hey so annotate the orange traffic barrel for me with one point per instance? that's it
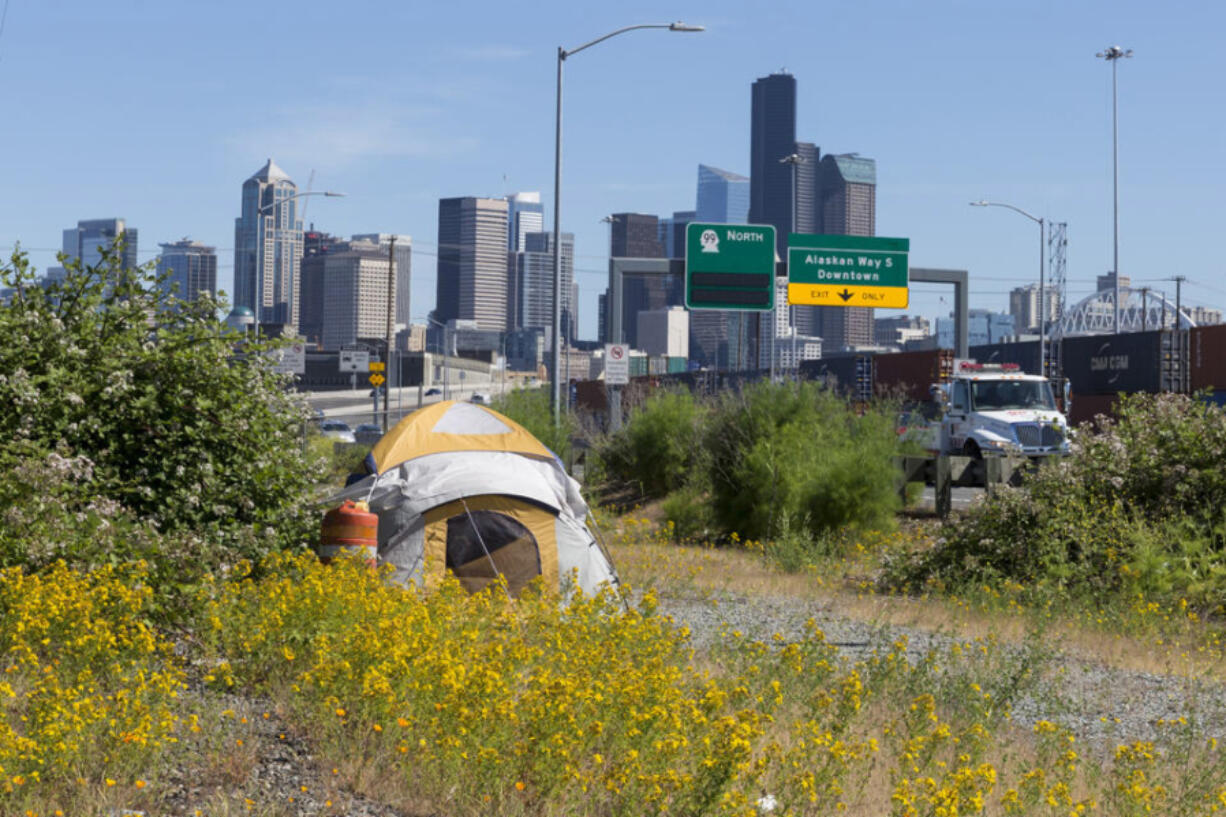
(352, 529)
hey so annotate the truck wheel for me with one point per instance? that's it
(971, 449)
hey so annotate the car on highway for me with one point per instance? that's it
(481, 398)
(432, 392)
(337, 430)
(368, 433)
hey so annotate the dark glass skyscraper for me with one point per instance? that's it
(772, 136)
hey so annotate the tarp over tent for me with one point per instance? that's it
(460, 487)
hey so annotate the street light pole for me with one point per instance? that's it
(1042, 282)
(1113, 55)
(555, 354)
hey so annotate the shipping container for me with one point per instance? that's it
(1086, 407)
(1131, 362)
(911, 374)
(1024, 354)
(1207, 357)
(851, 375)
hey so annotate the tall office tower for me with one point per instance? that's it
(1025, 309)
(807, 196)
(86, 241)
(190, 269)
(404, 269)
(848, 186)
(315, 245)
(268, 247)
(525, 214)
(671, 232)
(636, 235)
(723, 196)
(602, 317)
(472, 261)
(772, 136)
(355, 303)
(530, 288)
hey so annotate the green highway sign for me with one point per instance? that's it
(729, 266)
(847, 270)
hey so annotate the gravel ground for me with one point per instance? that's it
(1103, 705)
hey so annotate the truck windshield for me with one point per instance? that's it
(998, 395)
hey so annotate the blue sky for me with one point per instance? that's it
(157, 110)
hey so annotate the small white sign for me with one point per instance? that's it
(616, 364)
(355, 360)
(289, 359)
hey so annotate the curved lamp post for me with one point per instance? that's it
(556, 357)
(1042, 284)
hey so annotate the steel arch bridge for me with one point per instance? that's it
(1094, 315)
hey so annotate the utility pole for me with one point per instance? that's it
(1144, 308)
(1178, 279)
(391, 304)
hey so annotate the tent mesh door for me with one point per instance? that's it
(513, 550)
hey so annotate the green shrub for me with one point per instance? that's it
(531, 409)
(688, 513)
(172, 418)
(799, 452)
(1137, 508)
(659, 448)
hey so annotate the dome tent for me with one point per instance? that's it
(460, 487)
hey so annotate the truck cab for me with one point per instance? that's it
(996, 410)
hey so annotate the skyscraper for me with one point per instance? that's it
(354, 293)
(472, 261)
(404, 269)
(772, 137)
(525, 214)
(530, 290)
(86, 241)
(268, 247)
(723, 196)
(848, 188)
(636, 235)
(190, 269)
(315, 245)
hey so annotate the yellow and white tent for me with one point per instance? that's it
(460, 487)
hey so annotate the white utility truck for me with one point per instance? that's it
(995, 409)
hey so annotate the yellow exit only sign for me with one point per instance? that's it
(845, 295)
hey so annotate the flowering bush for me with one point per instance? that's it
(161, 415)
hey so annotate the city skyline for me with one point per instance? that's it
(948, 119)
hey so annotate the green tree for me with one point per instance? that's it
(162, 409)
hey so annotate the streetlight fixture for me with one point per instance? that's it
(1113, 55)
(276, 201)
(795, 160)
(555, 385)
(1042, 283)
